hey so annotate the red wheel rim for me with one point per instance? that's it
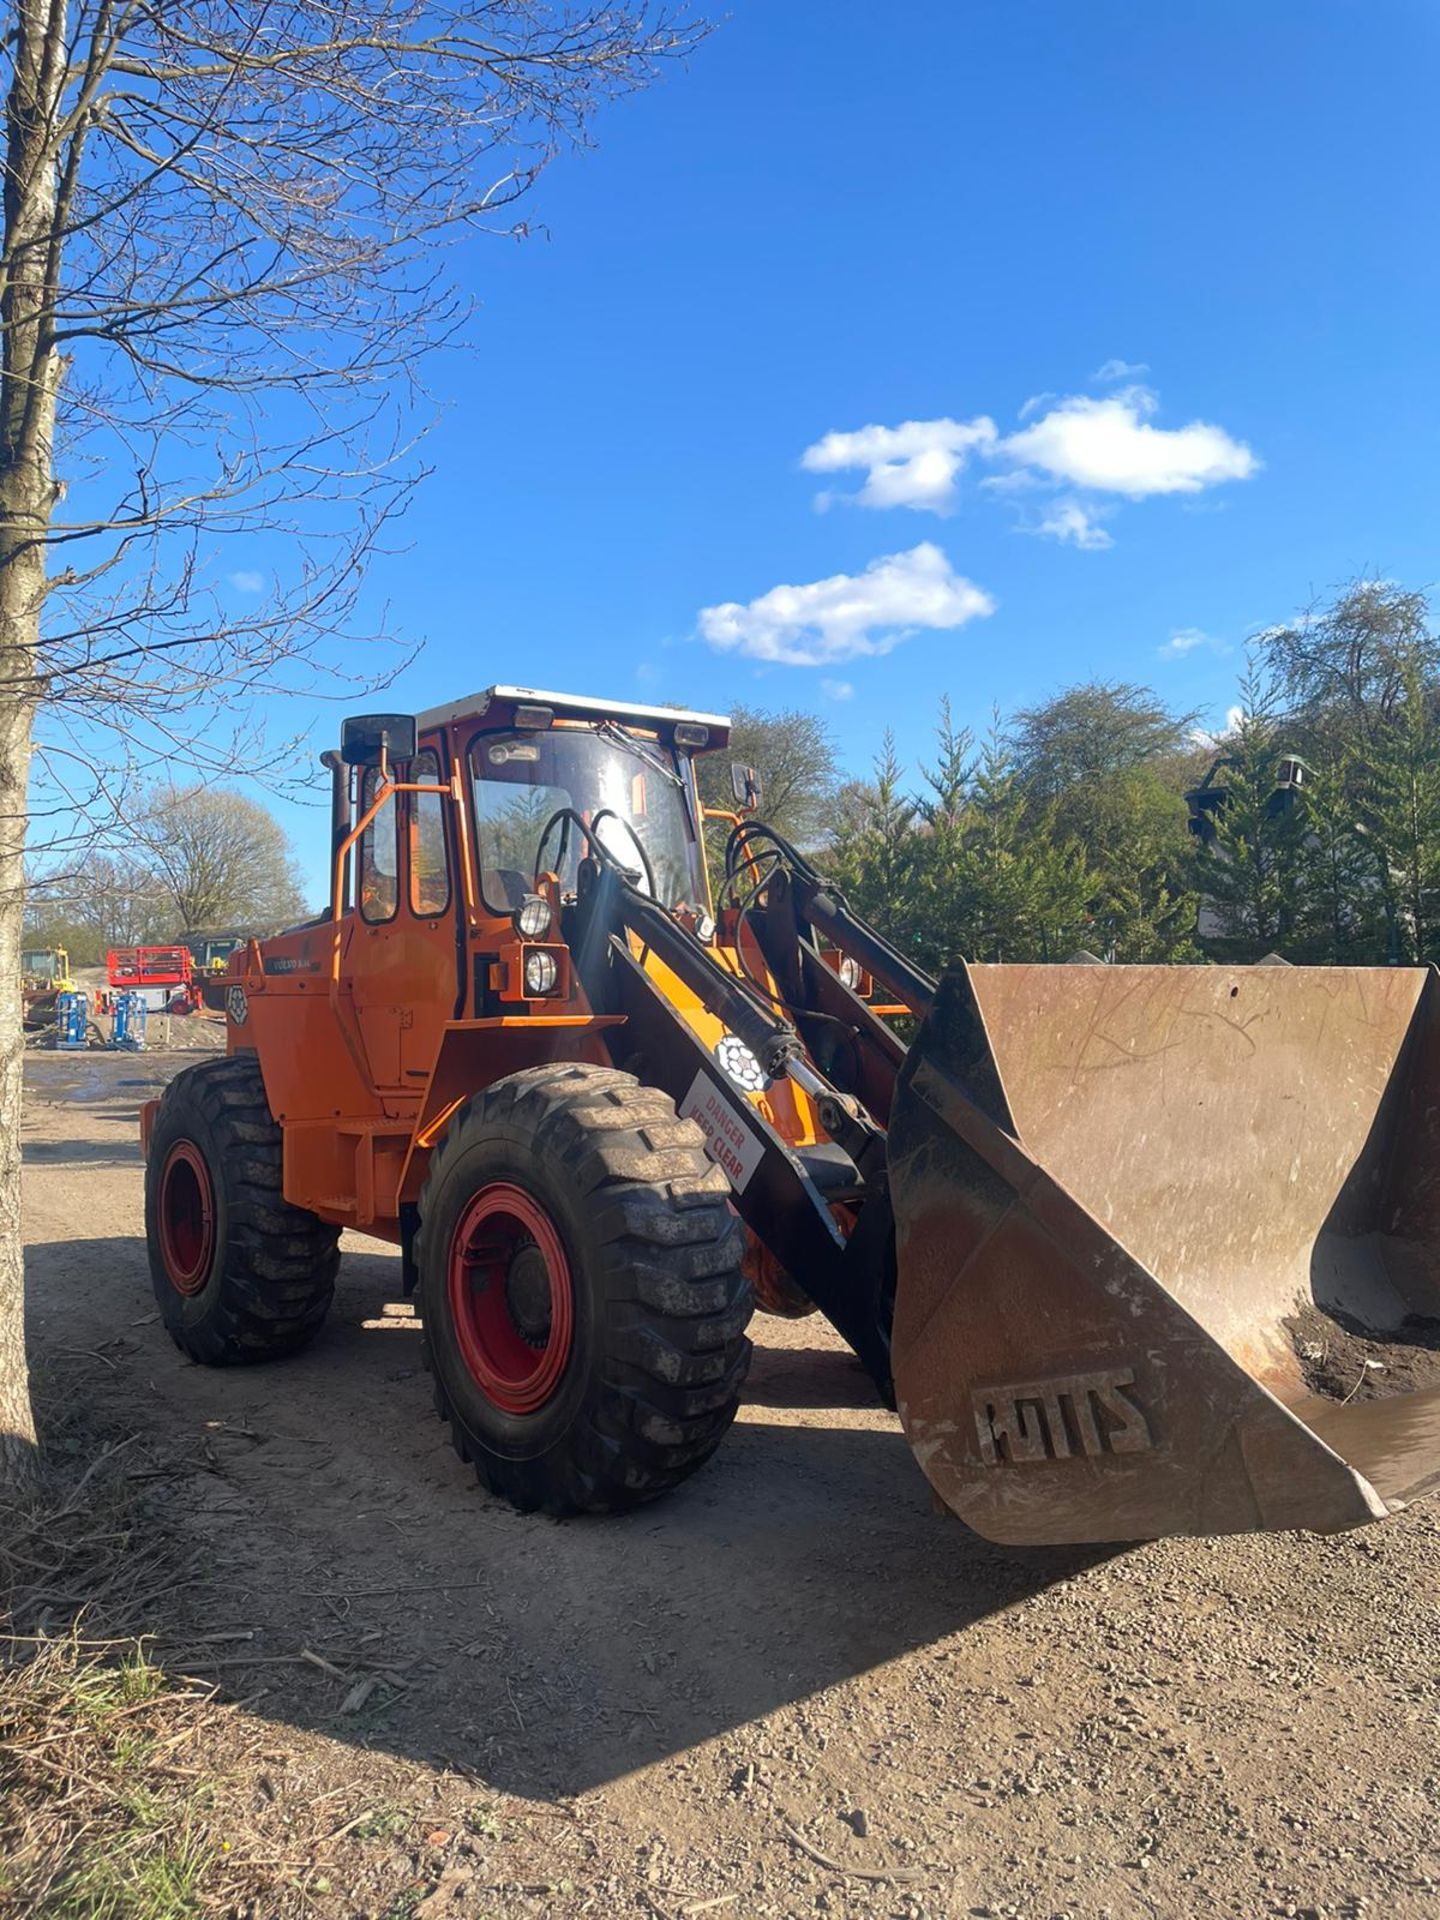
(187, 1217)
(515, 1367)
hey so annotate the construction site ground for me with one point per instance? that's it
(791, 1689)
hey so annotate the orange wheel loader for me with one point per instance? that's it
(1077, 1231)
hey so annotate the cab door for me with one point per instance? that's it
(401, 961)
(434, 923)
(372, 962)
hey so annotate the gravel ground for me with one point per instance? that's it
(791, 1689)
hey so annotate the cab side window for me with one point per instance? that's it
(429, 859)
(379, 846)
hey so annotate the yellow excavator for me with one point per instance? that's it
(44, 974)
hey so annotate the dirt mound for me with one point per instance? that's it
(1344, 1360)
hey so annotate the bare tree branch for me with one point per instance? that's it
(222, 267)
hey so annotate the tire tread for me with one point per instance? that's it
(672, 1353)
(280, 1261)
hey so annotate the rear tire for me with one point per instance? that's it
(581, 1291)
(239, 1273)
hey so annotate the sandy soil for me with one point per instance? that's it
(793, 1657)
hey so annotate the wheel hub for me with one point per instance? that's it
(186, 1217)
(510, 1297)
(527, 1295)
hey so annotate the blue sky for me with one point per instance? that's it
(842, 217)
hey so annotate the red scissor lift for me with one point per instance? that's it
(169, 970)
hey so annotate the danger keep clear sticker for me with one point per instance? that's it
(735, 1147)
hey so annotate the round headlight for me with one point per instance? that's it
(740, 1064)
(532, 917)
(541, 973)
(850, 972)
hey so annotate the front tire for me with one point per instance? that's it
(581, 1291)
(239, 1273)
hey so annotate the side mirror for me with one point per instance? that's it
(364, 737)
(746, 786)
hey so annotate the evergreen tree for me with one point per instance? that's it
(1339, 899)
(1113, 761)
(1399, 809)
(945, 826)
(872, 848)
(1359, 681)
(1252, 867)
(1021, 890)
(1072, 829)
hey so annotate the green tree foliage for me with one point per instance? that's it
(963, 868)
(1094, 731)
(1112, 762)
(1022, 888)
(1339, 897)
(873, 851)
(1360, 683)
(1254, 863)
(1395, 790)
(1072, 828)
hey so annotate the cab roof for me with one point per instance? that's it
(572, 706)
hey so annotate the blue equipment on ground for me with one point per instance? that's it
(72, 1021)
(131, 1013)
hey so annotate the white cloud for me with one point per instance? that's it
(913, 465)
(1073, 521)
(1083, 450)
(837, 689)
(1034, 404)
(1109, 446)
(247, 581)
(1187, 640)
(1202, 737)
(848, 616)
(1181, 643)
(1112, 370)
(1018, 482)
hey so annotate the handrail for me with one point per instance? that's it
(342, 852)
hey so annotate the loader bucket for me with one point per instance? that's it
(1130, 1203)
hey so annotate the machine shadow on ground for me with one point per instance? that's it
(78, 1153)
(548, 1657)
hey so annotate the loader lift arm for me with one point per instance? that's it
(791, 901)
(782, 1193)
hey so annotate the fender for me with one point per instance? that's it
(473, 1054)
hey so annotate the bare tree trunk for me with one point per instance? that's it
(252, 200)
(17, 1424)
(27, 495)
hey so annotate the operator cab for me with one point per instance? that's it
(546, 771)
(464, 837)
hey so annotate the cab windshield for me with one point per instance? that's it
(636, 787)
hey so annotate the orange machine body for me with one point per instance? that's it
(376, 1022)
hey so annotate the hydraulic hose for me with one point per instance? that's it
(752, 843)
